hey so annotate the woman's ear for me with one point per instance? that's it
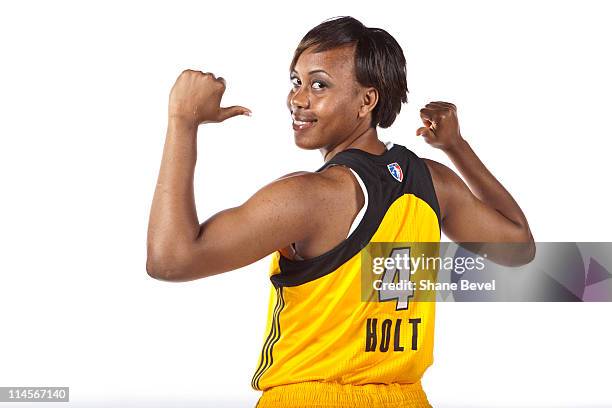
(368, 101)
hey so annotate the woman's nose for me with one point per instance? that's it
(299, 99)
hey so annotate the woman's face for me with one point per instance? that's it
(325, 98)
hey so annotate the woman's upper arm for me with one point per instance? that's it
(278, 214)
(465, 218)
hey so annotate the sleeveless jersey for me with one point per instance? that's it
(320, 327)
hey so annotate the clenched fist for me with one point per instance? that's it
(196, 98)
(441, 125)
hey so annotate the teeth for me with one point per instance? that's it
(301, 122)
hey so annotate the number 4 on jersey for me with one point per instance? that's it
(402, 271)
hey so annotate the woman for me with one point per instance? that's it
(324, 344)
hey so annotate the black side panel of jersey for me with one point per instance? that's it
(383, 189)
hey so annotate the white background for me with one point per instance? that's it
(83, 98)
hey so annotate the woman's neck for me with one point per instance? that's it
(366, 141)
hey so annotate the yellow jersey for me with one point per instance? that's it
(324, 321)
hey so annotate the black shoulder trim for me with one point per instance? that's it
(383, 189)
(295, 273)
(422, 185)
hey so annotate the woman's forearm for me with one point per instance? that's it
(173, 224)
(173, 221)
(483, 184)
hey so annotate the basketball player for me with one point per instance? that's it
(323, 346)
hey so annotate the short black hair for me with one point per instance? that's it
(379, 61)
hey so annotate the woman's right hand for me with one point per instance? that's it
(195, 98)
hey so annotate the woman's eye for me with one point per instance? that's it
(295, 82)
(318, 85)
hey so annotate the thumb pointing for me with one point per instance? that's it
(423, 131)
(232, 111)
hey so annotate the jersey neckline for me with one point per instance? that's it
(378, 157)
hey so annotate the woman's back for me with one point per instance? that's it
(326, 323)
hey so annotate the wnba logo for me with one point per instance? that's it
(396, 171)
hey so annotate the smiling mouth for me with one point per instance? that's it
(303, 125)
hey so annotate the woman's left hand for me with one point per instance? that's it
(441, 125)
